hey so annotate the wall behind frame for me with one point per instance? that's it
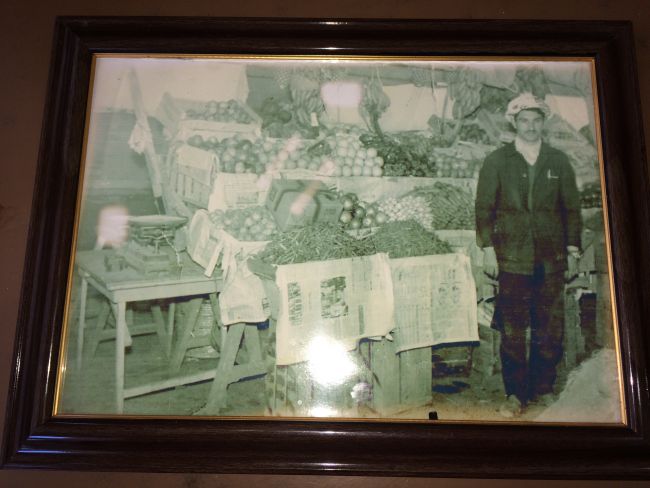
(26, 32)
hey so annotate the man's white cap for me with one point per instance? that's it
(525, 101)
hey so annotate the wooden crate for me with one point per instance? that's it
(398, 381)
(191, 173)
(171, 112)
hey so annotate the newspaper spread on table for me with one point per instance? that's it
(435, 300)
(342, 300)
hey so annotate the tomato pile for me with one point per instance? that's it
(246, 224)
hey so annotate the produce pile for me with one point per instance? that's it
(451, 166)
(280, 120)
(318, 242)
(407, 239)
(354, 158)
(357, 214)
(245, 224)
(409, 207)
(323, 242)
(474, 133)
(230, 111)
(403, 155)
(451, 206)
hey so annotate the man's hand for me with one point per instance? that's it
(573, 256)
(490, 265)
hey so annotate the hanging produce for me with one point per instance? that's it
(374, 103)
(307, 105)
(465, 90)
(531, 79)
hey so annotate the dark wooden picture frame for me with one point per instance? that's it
(36, 439)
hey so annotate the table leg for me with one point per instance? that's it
(82, 319)
(119, 310)
(191, 318)
(161, 329)
(100, 333)
(170, 328)
(217, 396)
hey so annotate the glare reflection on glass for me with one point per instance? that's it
(112, 226)
(342, 93)
(322, 411)
(329, 362)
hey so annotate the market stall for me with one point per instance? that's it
(338, 204)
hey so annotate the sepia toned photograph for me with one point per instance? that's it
(341, 238)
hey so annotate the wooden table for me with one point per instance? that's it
(123, 286)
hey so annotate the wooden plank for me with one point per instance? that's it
(217, 396)
(384, 364)
(415, 376)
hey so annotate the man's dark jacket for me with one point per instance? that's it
(523, 237)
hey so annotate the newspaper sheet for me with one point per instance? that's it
(341, 300)
(435, 301)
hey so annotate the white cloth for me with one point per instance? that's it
(530, 151)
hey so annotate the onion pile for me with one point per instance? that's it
(410, 207)
(357, 214)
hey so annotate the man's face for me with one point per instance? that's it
(529, 124)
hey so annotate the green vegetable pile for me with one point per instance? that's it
(452, 207)
(407, 239)
(323, 242)
(403, 155)
(318, 242)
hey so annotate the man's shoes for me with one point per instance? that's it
(545, 400)
(511, 407)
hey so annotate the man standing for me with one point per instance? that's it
(528, 224)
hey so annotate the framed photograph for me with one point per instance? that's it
(355, 247)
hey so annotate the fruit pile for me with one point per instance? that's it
(245, 224)
(357, 214)
(352, 158)
(230, 111)
(450, 166)
(409, 207)
(236, 154)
